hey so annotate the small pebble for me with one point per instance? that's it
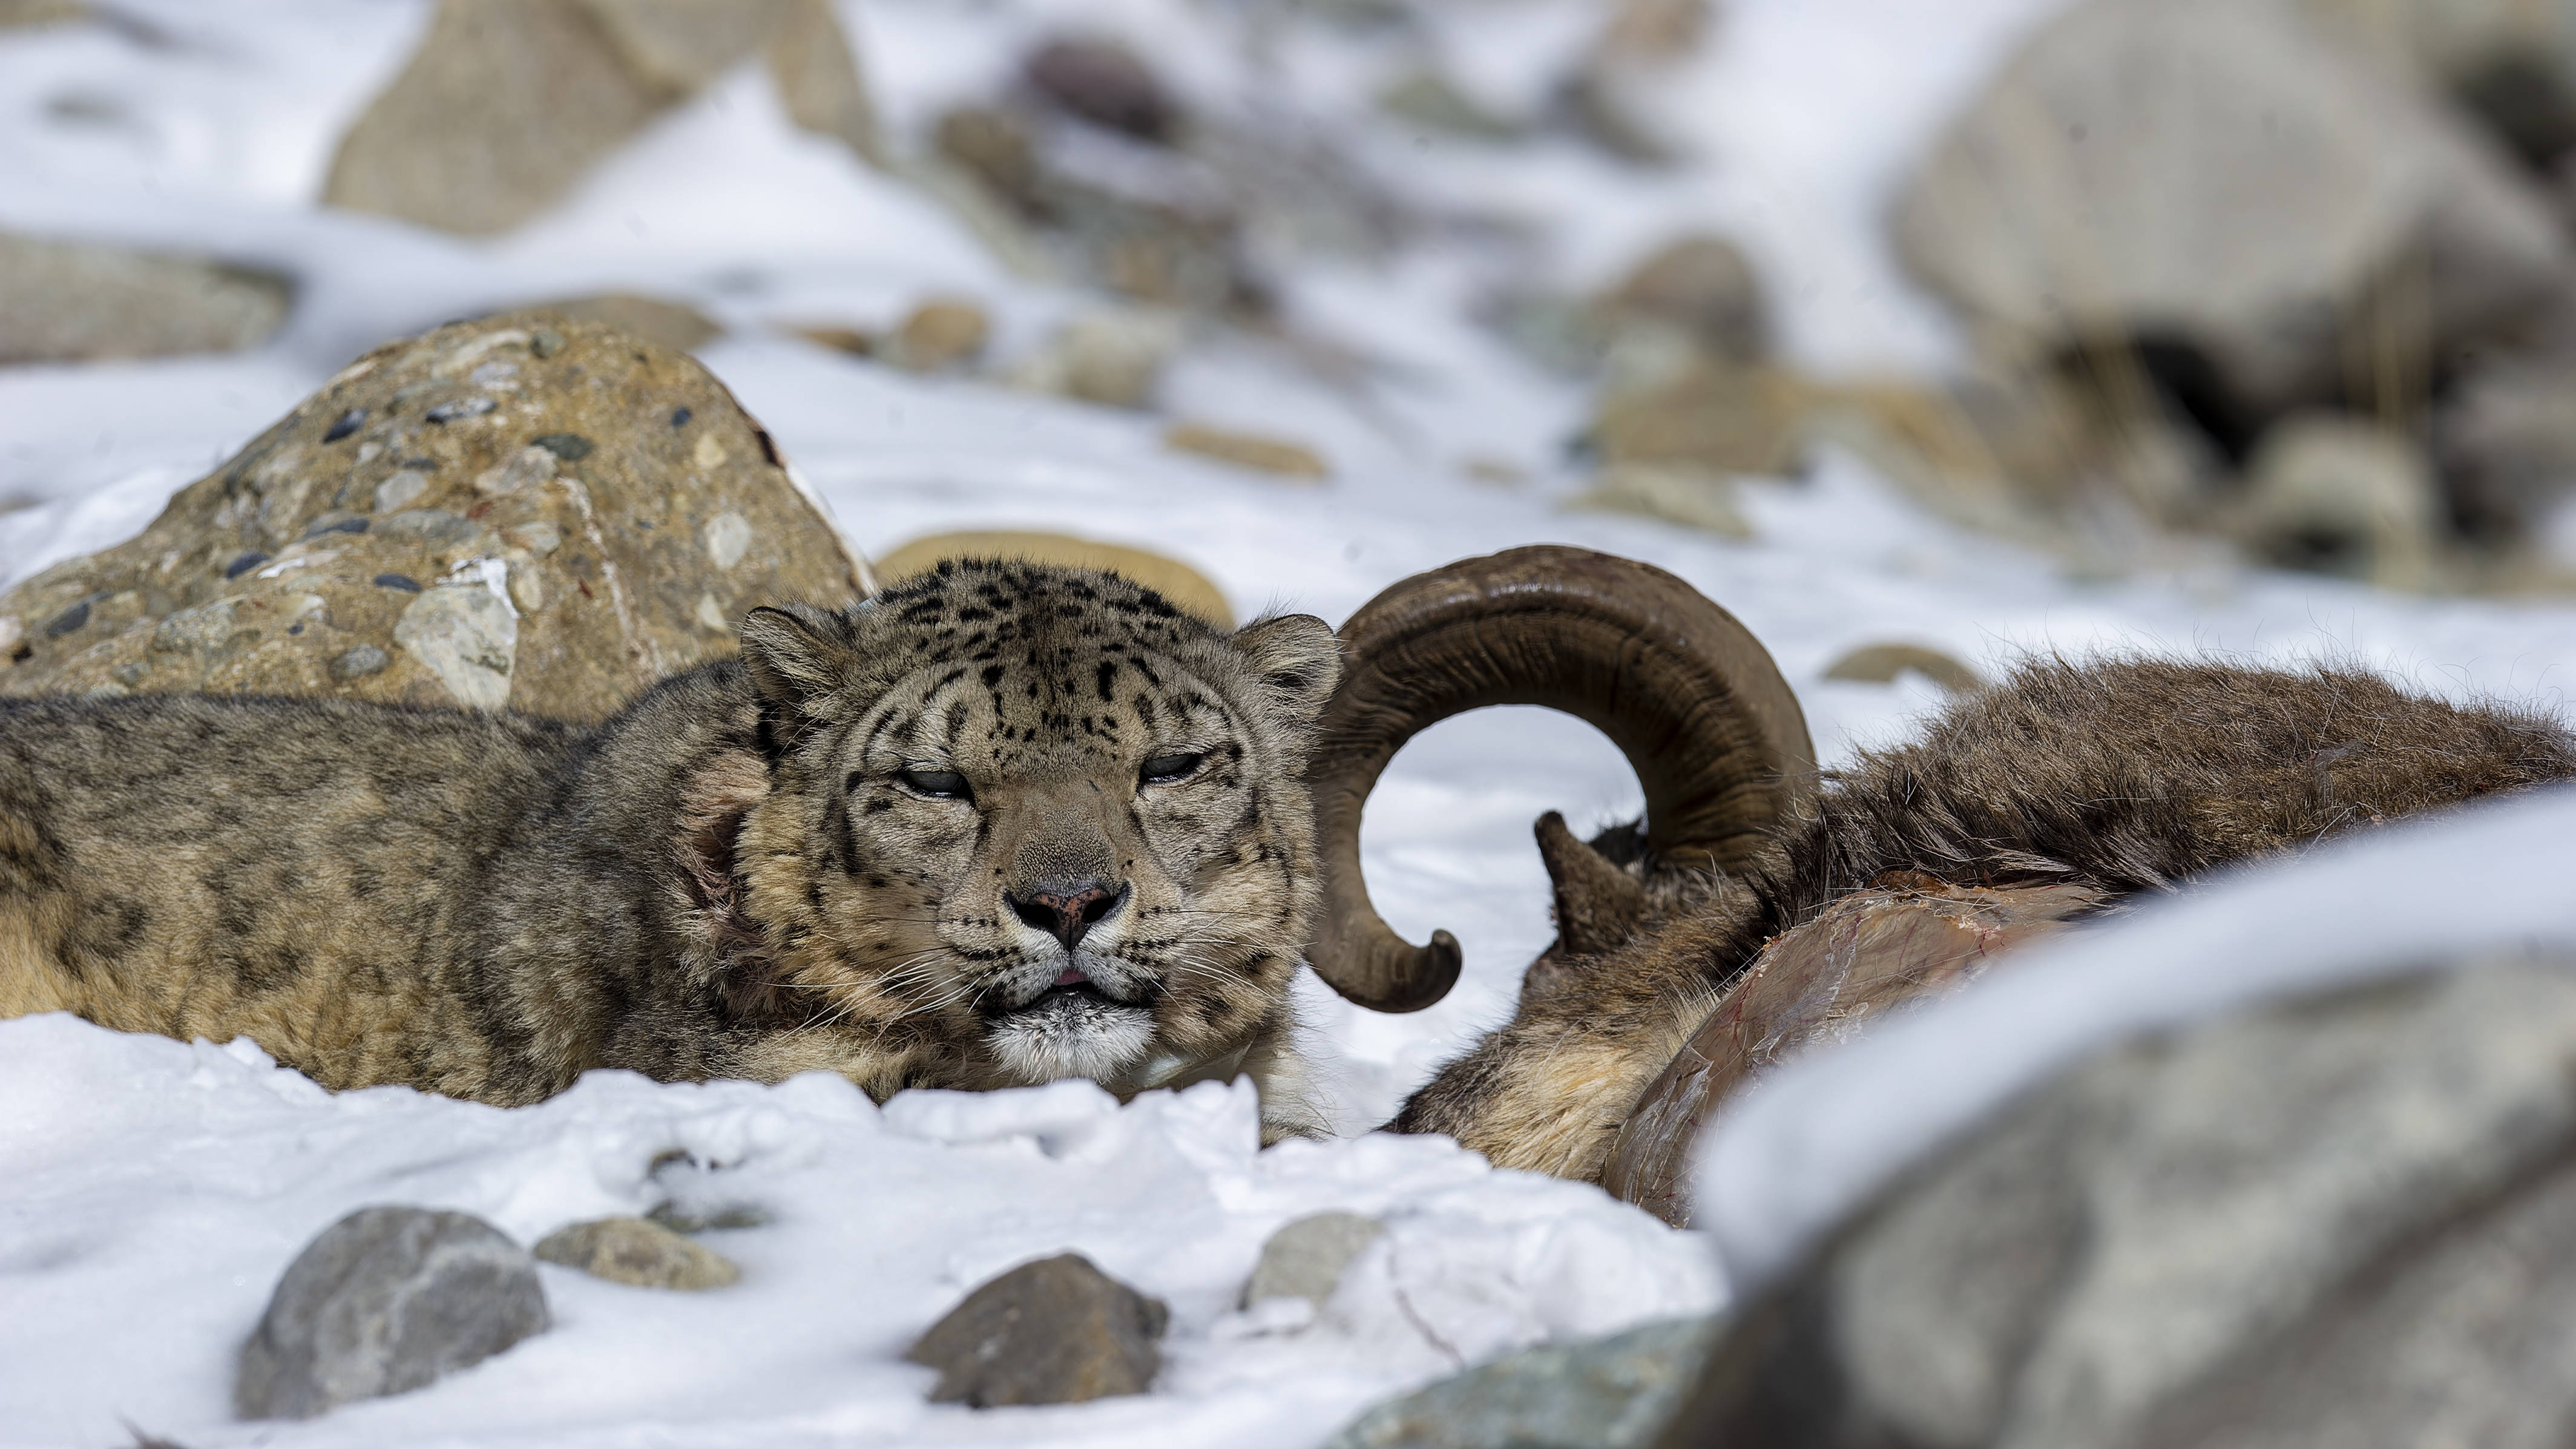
(68, 621)
(639, 1253)
(680, 417)
(244, 564)
(404, 582)
(349, 422)
(571, 447)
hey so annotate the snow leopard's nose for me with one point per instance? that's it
(1068, 909)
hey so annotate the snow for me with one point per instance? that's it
(1787, 1157)
(155, 1189)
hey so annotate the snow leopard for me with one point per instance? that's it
(999, 825)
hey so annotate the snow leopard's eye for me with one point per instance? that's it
(1169, 769)
(936, 784)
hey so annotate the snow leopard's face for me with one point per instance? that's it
(1027, 823)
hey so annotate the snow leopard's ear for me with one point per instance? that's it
(796, 654)
(1296, 661)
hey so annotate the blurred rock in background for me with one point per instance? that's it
(507, 103)
(73, 301)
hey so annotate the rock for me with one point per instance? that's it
(1705, 414)
(2343, 495)
(2213, 177)
(1604, 1393)
(658, 320)
(993, 147)
(386, 1300)
(1112, 356)
(2505, 440)
(506, 103)
(64, 301)
(2347, 1220)
(1176, 581)
(2511, 65)
(1305, 1258)
(816, 69)
(1701, 286)
(18, 14)
(1881, 663)
(1691, 496)
(1248, 450)
(1104, 83)
(1056, 1331)
(1431, 100)
(939, 334)
(854, 341)
(634, 1251)
(558, 542)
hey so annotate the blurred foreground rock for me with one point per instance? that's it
(2349, 1220)
(522, 511)
(386, 1300)
(1607, 1393)
(507, 103)
(72, 301)
(1056, 1331)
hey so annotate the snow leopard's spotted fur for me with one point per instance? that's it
(1002, 824)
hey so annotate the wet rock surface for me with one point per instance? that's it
(1056, 1331)
(387, 1300)
(1305, 1258)
(1606, 1393)
(637, 1252)
(74, 301)
(2347, 1220)
(525, 510)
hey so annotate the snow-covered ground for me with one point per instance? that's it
(153, 1190)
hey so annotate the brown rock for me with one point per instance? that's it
(675, 325)
(1881, 663)
(524, 509)
(640, 1253)
(855, 341)
(1104, 83)
(1057, 1331)
(1733, 419)
(17, 13)
(816, 69)
(1113, 356)
(1683, 493)
(2343, 495)
(63, 301)
(1248, 450)
(508, 102)
(503, 107)
(1702, 286)
(939, 334)
(1184, 586)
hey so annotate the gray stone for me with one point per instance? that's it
(1605, 1393)
(1113, 356)
(468, 635)
(2505, 440)
(1306, 1258)
(66, 301)
(639, 1253)
(2348, 1220)
(1702, 286)
(2216, 173)
(1056, 1331)
(386, 1300)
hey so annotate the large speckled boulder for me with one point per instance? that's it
(523, 511)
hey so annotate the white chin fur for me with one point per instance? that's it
(1073, 1038)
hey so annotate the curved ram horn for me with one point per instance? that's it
(1686, 692)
